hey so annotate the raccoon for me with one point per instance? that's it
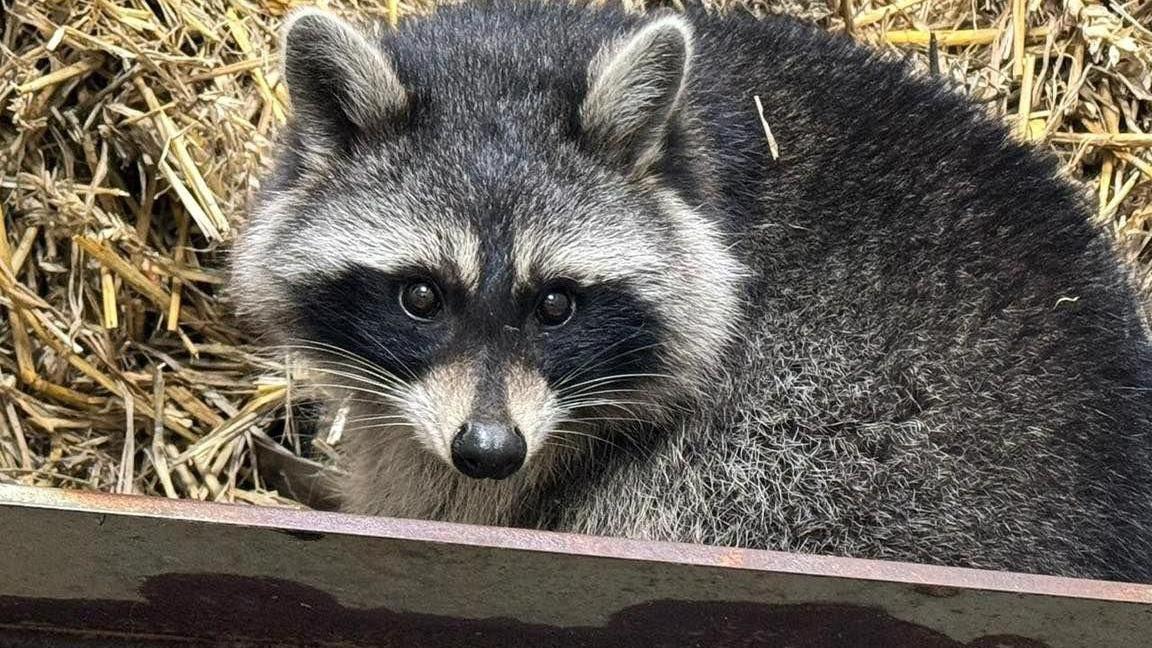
(698, 277)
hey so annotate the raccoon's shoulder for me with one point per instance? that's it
(831, 85)
(855, 126)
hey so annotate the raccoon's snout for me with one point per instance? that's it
(488, 450)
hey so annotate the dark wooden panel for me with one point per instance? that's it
(88, 569)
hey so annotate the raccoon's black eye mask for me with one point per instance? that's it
(407, 322)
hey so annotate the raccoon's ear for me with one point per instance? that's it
(634, 86)
(340, 84)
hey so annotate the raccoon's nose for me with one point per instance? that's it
(488, 450)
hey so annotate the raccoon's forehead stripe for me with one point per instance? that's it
(589, 254)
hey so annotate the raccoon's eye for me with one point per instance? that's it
(555, 307)
(420, 300)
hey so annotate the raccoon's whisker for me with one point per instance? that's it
(583, 368)
(576, 371)
(568, 385)
(607, 390)
(375, 426)
(411, 374)
(584, 401)
(375, 418)
(555, 443)
(602, 392)
(596, 398)
(362, 401)
(350, 354)
(609, 419)
(350, 425)
(601, 382)
(305, 344)
(624, 354)
(323, 347)
(604, 381)
(391, 389)
(379, 377)
(612, 377)
(574, 433)
(351, 373)
(621, 431)
(614, 405)
(593, 437)
(619, 406)
(385, 395)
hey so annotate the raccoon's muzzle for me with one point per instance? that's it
(484, 450)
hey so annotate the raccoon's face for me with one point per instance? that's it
(486, 258)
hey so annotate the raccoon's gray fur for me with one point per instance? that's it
(901, 338)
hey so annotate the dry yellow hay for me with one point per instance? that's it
(132, 133)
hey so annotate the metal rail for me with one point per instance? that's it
(85, 569)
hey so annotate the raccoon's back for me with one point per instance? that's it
(942, 359)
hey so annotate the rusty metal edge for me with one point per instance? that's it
(575, 544)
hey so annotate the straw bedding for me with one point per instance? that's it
(132, 132)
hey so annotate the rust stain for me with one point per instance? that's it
(733, 558)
